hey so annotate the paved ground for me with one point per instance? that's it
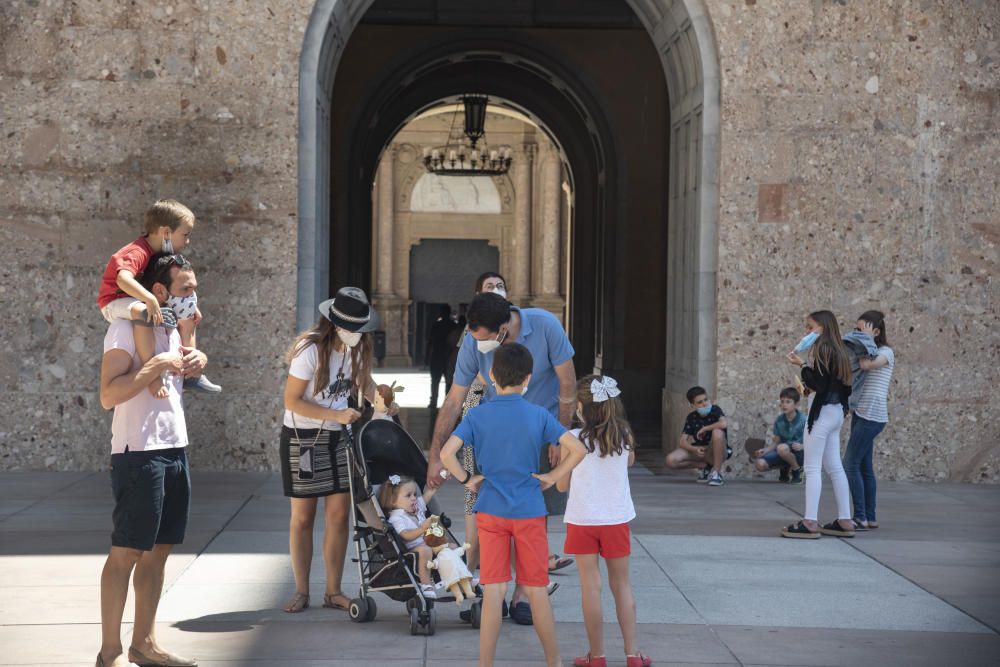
(714, 583)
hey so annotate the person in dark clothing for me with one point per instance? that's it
(827, 375)
(438, 351)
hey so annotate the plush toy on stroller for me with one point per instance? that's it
(382, 448)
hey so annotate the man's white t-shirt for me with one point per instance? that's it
(145, 423)
(335, 395)
(599, 492)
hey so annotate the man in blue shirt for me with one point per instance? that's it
(494, 322)
(508, 435)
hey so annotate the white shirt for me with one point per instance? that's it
(599, 492)
(872, 403)
(144, 423)
(402, 520)
(334, 396)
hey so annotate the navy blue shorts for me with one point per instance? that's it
(152, 492)
(774, 460)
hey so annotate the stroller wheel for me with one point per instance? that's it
(412, 604)
(358, 610)
(431, 621)
(414, 621)
(372, 608)
(476, 614)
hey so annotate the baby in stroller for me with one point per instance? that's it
(406, 508)
(388, 469)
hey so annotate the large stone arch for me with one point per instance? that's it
(682, 33)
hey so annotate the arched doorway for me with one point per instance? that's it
(682, 36)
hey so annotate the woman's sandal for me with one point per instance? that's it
(835, 530)
(299, 602)
(330, 601)
(799, 531)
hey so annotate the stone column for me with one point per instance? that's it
(521, 277)
(392, 306)
(551, 185)
(384, 216)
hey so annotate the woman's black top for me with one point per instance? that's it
(829, 389)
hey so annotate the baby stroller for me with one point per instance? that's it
(381, 448)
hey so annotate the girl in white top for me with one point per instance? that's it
(597, 514)
(400, 497)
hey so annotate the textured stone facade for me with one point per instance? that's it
(860, 160)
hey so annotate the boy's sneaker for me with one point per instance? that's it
(715, 479)
(703, 475)
(202, 384)
(796, 477)
(783, 475)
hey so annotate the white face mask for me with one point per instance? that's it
(168, 245)
(487, 346)
(501, 291)
(183, 306)
(524, 390)
(349, 338)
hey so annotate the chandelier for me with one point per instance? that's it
(465, 157)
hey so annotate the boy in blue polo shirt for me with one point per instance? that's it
(785, 451)
(508, 435)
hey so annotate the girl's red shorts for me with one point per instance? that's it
(608, 541)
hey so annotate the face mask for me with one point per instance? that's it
(183, 306)
(349, 338)
(501, 291)
(807, 341)
(705, 411)
(487, 346)
(524, 390)
(168, 245)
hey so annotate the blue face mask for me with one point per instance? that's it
(807, 341)
(705, 411)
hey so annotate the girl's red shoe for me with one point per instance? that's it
(638, 660)
(590, 661)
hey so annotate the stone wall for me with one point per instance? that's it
(859, 169)
(106, 106)
(860, 162)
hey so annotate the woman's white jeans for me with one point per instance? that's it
(822, 450)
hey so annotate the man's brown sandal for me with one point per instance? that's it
(330, 601)
(299, 602)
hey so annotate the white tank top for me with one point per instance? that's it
(599, 493)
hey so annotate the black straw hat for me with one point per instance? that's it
(350, 310)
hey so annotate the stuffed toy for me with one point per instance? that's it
(454, 573)
(385, 395)
(435, 535)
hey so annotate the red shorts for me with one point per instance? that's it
(609, 541)
(531, 550)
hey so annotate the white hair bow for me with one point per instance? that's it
(394, 479)
(604, 388)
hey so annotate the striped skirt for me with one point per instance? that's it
(330, 472)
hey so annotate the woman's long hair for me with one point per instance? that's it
(829, 352)
(323, 335)
(605, 426)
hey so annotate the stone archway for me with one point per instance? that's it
(683, 36)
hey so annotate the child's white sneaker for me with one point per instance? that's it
(428, 591)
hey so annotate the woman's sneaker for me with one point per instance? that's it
(715, 479)
(703, 475)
